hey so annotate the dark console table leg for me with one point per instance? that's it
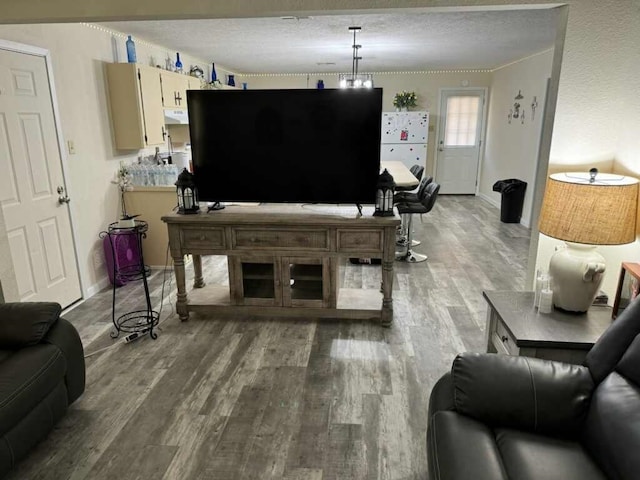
(181, 302)
(198, 281)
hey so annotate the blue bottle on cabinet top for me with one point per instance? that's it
(131, 50)
(178, 63)
(214, 76)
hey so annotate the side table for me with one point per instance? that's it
(515, 327)
(136, 321)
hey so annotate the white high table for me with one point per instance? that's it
(400, 173)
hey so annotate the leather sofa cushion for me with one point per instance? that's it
(461, 448)
(629, 365)
(524, 393)
(529, 456)
(26, 378)
(32, 429)
(25, 324)
(612, 428)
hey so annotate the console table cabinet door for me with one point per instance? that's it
(306, 282)
(255, 281)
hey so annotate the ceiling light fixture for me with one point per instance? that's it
(355, 79)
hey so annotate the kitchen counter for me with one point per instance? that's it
(151, 203)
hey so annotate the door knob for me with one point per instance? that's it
(62, 199)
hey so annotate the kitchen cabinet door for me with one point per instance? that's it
(136, 105)
(195, 83)
(151, 93)
(174, 89)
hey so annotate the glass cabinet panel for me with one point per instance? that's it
(258, 280)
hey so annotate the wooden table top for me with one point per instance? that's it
(287, 213)
(400, 173)
(533, 329)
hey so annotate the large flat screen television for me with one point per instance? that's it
(299, 146)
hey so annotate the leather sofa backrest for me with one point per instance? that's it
(613, 343)
(612, 427)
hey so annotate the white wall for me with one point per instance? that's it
(426, 85)
(597, 118)
(79, 53)
(511, 149)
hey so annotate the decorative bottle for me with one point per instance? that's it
(178, 63)
(214, 75)
(131, 50)
(231, 81)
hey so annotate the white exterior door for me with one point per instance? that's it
(459, 140)
(38, 225)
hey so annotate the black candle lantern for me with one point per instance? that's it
(384, 195)
(187, 193)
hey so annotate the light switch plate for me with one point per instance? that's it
(71, 147)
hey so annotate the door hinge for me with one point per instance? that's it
(139, 75)
(145, 139)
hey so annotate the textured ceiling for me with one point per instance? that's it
(391, 42)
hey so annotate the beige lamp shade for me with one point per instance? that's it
(601, 212)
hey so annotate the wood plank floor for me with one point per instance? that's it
(262, 398)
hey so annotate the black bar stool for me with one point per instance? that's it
(425, 205)
(404, 197)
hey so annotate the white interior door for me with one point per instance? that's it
(459, 140)
(38, 225)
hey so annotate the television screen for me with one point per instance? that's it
(301, 146)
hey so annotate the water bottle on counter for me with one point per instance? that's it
(153, 175)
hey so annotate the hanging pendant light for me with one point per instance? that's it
(355, 79)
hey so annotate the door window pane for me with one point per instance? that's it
(462, 121)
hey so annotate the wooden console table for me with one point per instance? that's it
(283, 260)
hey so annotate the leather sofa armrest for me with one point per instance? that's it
(64, 336)
(524, 393)
(441, 398)
(26, 324)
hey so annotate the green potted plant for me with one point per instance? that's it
(404, 100)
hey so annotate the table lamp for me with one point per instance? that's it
(585, 209)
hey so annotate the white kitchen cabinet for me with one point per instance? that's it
(174, 89)
(137, 115)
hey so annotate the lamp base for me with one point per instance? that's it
(576, 271)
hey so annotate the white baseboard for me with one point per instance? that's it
(104, 282)
(489, 200)
(97, 287)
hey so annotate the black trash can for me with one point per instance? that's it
(512, 191)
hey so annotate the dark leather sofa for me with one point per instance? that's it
(500, 417)
(42, 371)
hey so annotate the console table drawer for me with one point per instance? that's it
(360, 241)
(504, 341)
(307, 239)
(202, 238)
